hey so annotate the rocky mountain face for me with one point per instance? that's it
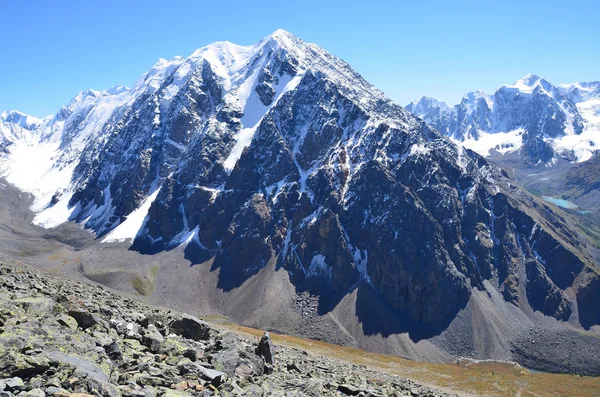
(280, 151)
(542, 122)
(62, 338)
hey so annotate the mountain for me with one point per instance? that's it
(16, 127)
(279, 158)
(541, 123)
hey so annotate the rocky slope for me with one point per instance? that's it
(544, 123)
(62, 338)
(280, 154)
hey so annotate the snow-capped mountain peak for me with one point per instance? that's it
(532, 83)
(529, 80)
(117, 90)
(543, 122)
(219, 83)
(580, 92)
(476, 95)
(424, 104)
(21, 119)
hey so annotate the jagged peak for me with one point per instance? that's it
(225, 58)
(82, 95)
(231, 63)
(116, 90)
(424, 104)
(282, 37)
(581, 91)
(531, 83)
(430, 99)
(474, 99)
(529, 80)
(66, 110)
(282, 34)
(474, 95)
(89, 93)
(11, 113)
(19, 118)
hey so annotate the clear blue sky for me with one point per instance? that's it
(50, 50)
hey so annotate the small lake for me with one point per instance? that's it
(561, 203)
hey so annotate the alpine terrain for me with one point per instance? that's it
(533, 120)
(275, 186)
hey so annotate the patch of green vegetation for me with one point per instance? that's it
(534, 191)
(593, 235)
(145, 285)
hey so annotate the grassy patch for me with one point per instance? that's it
(593, 234)
(145, 285)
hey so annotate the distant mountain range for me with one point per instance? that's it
(280, 158)
(542, 123)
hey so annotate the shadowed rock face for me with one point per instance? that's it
(343, 187)
(587, 300)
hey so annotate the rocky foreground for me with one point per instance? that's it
(64, 338)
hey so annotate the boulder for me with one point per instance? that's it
(67, 321)
(265, 348)
(37, 392)
(348, 390)
(84, 319)
(12, 384)
(211, 375)
(103, 388)
(230, 353)
(113, 351)
(152, 339)
(36, 306)
(190, 327)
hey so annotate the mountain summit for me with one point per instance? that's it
(279, 160)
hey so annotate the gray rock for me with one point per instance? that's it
(84, 319)
(113, 351)
(12, 384)
(67, 321)
(52, 390)
(229, 353)
(126, 329)
(348, 390)
(208, 374)
(33, 393)
(83, 365)
(36, 306)
(265, 348)
(152, 339)
(190, 327)
(103, 388)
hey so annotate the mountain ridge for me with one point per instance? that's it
(541, 122)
